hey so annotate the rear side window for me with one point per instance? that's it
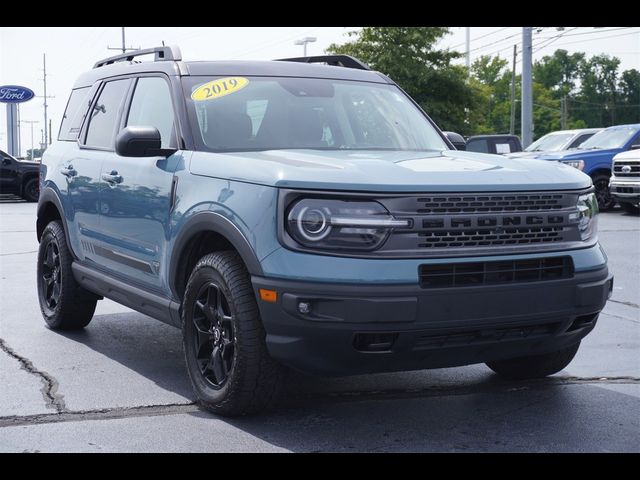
(480, 145)
(577, 142)
(105, 114)
(74, 114)
(151, 107)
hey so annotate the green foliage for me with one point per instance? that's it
(479, 101)
(409, 56)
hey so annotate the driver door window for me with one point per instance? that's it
(151, 106)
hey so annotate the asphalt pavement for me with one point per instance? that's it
(121, 384)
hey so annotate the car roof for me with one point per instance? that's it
(274, 68)
(629, 125)
(499, 135)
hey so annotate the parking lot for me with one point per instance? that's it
(121, 384)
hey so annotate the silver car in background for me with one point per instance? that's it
(555, 142)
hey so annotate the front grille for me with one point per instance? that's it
(491, 273)
(484, 238)
(490, 203)
(487, 335)
(634, 166)
(450, 224)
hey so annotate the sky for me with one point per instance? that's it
(72, 50)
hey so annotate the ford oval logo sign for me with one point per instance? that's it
(15, 94)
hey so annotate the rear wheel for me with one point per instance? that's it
(535, 366)
(65, 305)
(630, 207)
(31, 190)
(224, 341)
(601, 184)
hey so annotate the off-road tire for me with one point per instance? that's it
(73, 306)
(254, 380)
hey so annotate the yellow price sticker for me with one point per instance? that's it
(219, 88)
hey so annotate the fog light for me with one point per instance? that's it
(304, 307)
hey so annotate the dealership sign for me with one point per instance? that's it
(15, 94)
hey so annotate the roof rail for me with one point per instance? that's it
(168, 53)
(346, 61)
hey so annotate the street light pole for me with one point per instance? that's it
(304, 41)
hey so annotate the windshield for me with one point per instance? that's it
(609, 138)
(264, 113)
(552, 142)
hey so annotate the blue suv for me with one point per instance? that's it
(595, 157)
(306, 213)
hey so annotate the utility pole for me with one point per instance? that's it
(527, 89)
(31, 122)
(563, 112)
(124, 48)
(468, 48)
(512, 121)
(45, 97)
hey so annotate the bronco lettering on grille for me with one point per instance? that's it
(493, 221)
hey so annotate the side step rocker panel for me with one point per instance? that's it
(155, 306)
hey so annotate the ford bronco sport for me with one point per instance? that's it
(306, 213)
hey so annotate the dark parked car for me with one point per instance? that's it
(19, 177)
(499, 144)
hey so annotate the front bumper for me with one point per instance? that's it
(625, 190)
(352, 329)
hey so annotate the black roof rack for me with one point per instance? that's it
(168, 53)
(346, 61)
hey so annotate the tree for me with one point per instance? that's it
(559, 71)
(488, 70)
(409, 56)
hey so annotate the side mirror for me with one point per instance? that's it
(6, 161)
(457, 140)
(141, 142)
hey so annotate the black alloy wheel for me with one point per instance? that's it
(50, 276)
(214, 340)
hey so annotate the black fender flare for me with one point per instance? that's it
(48, 195)
(208, 221)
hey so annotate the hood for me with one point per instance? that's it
(579, 154)
(449, 170)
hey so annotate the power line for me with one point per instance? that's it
(553, 39)
(480, 37)
(591, 32)
(599, 38)
(494, 43)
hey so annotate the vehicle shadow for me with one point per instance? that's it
(459, 409)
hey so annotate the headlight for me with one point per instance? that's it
(579, 164)
(587, 215)
(340, 224)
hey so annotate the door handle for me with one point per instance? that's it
(68, 171)
(112, 178)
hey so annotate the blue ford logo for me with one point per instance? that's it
(15, 94)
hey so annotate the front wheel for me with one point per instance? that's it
(601, 185)
(224, 341)
(535, 366)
